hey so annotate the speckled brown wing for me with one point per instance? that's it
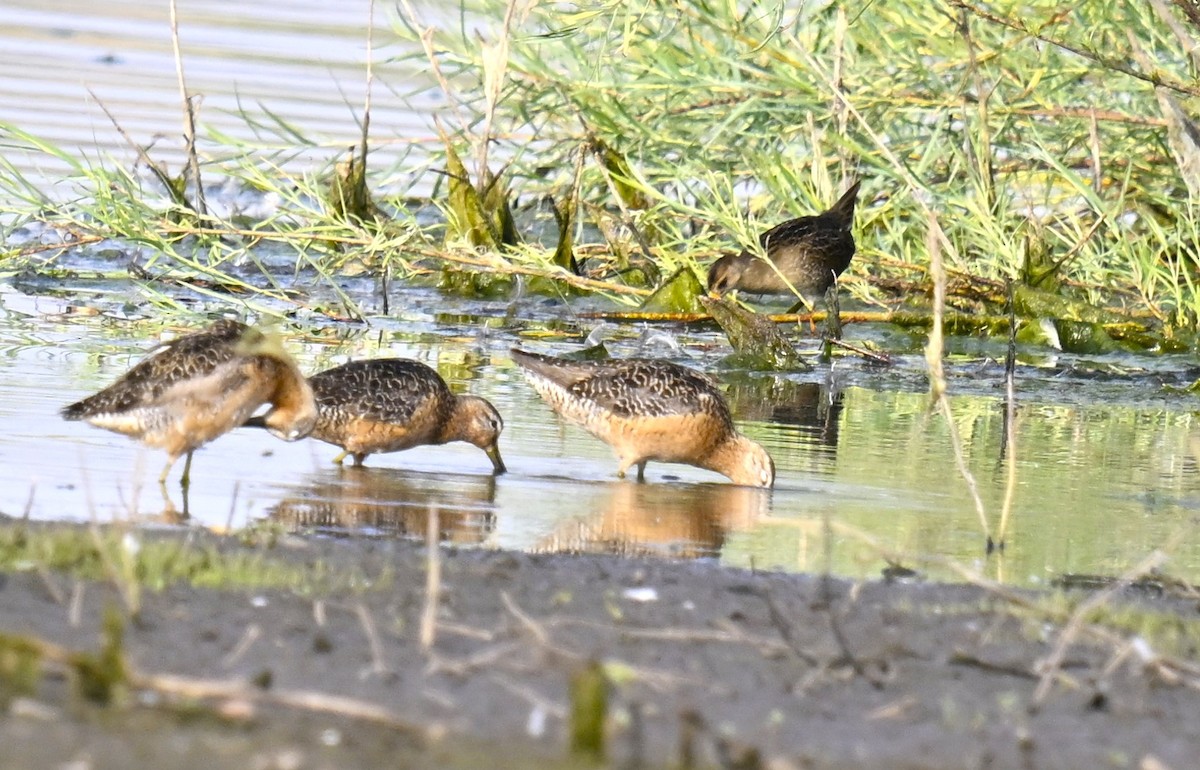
(193, 411)
(645, 388)
(189, 357)
(792, 230)
(631, 387)
(198, 394)
(392, 397)
(809, 251)
(197, 410)
(384, 389)
(649, 410)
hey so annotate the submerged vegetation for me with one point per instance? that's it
(601, 150)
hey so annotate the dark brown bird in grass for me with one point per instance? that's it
(189, 391)
(391, 404)
(649, 410)
(810, 252)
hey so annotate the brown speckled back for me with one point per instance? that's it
(633, 387)
(809, 251)
(392, 404)
(381, 389)
(649, 410)
(188, 392)
(188, 357)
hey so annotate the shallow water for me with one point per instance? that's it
(62, 63)
(1106, 458)
(865, 475)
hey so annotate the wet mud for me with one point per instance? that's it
(709, 666)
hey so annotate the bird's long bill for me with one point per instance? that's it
(493, 453)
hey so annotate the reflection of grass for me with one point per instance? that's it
(1065, 520)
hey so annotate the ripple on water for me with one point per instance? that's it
(864, 474)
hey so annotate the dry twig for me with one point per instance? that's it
(372, 633)
(433, 580)
(1051, 666)
(189, 117)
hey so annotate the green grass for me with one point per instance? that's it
(135, 560)
(732, 118)
(702, 123)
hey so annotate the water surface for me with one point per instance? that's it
(289, 78)
(1106, 457)
(865, 473)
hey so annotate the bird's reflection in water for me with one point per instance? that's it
(813, 407)
(671, 520)
(385, 502)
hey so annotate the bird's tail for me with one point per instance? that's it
(76, 411)
(844, 208)
(561, 371)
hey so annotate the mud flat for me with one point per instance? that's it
(307, 653)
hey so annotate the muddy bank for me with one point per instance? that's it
(733, 668)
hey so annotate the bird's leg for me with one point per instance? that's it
(170, 514)
(358, 459)
(641, 470)
(186, 479)
(162, 477)
(338, 460)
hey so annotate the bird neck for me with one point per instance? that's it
(729, 459)
(458, 425)
(292, 400)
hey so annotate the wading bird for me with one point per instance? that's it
(189, 391)
(809, 252)
(391, 404)
(649, 410)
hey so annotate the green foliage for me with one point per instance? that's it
(564, 249)
(589, 710)
(1033, 133)
(348, 195)
(20, 666)
(696, 111)
(102, 678)
(628, 191)
(482, 219)
(154, 564)
(565, 212)
(680, 293)
(466, 216)
(1083, 337)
